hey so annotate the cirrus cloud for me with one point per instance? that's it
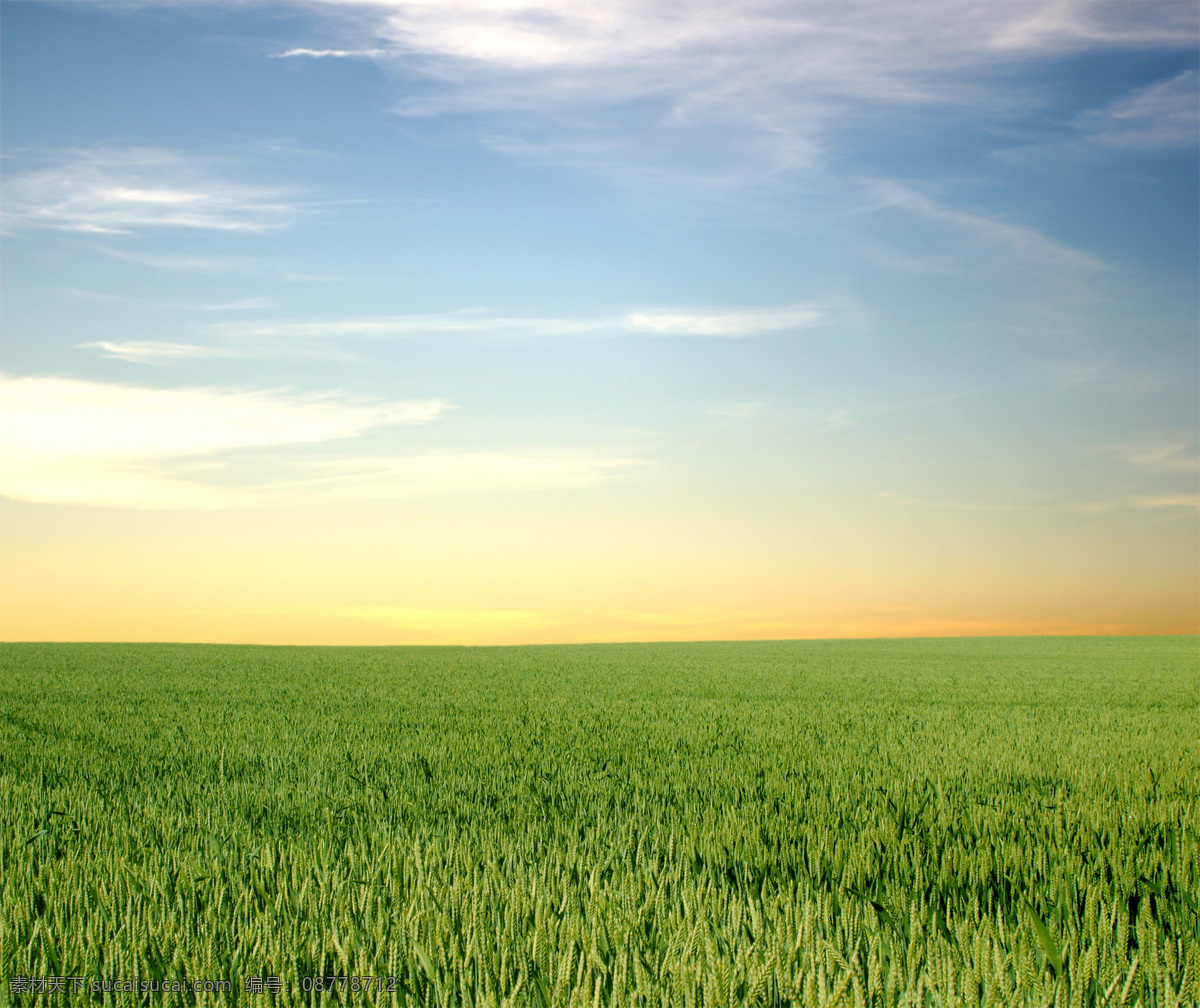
(1161, 115)
(120, 191)
(277, 337)
(623, 85)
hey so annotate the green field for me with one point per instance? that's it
(1005, 821)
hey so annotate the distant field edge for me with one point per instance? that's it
(952, 638)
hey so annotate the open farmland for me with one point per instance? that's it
(929, 822)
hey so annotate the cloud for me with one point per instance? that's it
(745, 322)
(1020, 242)
(283, 337)
(1162, 115)
(273, 338)
(79, 442)
(332, 53)
(155, 352)
(733, 90)
(129, 190)
(1169, 457)
(471, 320)
(849, 46)
(656, 322)
(72, 441)
(185, 263)
(1189, 502)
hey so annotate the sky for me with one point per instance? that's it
(491, 322)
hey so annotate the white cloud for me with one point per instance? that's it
(282, 337)
(124, 191)
(855, 44)
(683, 322)
(71, 441)
(723, 89)
(79, 442)
(744, 322)
(1165, 114)
(331, 53)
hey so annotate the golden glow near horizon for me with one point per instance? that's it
(420, 575)
(473, 323)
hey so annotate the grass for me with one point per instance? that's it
(1004, 821)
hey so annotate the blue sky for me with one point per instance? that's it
(803, 290)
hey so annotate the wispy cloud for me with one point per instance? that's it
(747, 91)
(870, 46)
(184, 263)
(162, 352)
(1178, 456)
(332, 53)
(130, 190)
(79, 442)
(471, 320)
(1161, 116)
(655, 322)
(1189, 502)
(1020, 242)
(288, 337)
(1165, 114)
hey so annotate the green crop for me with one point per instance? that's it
(986, 822)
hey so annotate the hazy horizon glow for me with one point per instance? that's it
(464, 322)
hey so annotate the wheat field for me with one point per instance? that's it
(956, 822)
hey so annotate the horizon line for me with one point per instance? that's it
(714, 640)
